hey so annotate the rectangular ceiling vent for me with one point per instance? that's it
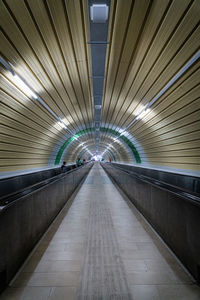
(99, 13)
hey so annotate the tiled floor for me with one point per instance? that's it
(99, 247)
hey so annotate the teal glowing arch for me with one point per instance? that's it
(102, 129)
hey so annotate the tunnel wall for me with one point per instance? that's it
(25, 220)
(173, 212)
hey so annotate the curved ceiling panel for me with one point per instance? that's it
(149, 110)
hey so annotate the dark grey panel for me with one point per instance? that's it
(97, 99)
(98, 52)
(98, 86)
(97, 114)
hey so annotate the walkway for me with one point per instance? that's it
(99, 247)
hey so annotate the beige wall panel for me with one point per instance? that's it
(173, 147)
(14, 139)
(36, 67)
(20, 108)
(180, 97)
(170, 115)
(26, 124)
(158, 141)
(62, 31)
(22, 166)
(25, 133)
(120, 16)
(184, 30)
(26, 149)
(54, 64)
(188, 50)
(19, 161)
(33, 106)
(191, 118)
(137, 18)
(178, 153)
(188, 26)
(153, 20)
(195, 78)
(76, 22)
(178, 38)
(23, 155)
(175, 133)
(23, 70)
(181, 160)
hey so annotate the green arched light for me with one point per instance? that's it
(102, 129)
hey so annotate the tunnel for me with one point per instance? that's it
(99, 149)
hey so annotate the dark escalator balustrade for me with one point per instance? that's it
(171, 204)
(26, 211)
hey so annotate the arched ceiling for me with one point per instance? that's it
(152, 62)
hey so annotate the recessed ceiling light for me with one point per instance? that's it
(24, 87)
(142, 114)
(62, 124)
(99, 13)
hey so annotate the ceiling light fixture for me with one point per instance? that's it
(99, 13)
(6, 65)
(24, 87)
(62, 124)
(143, 113)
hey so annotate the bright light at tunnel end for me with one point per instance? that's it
(96, 157)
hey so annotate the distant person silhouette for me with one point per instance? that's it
(63, 167)
(78, 162)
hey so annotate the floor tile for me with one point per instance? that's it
(63, 293)
(145, 292)
(47, 279)
(27, 293)
(53, 266)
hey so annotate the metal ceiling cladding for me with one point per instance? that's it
(99, 19)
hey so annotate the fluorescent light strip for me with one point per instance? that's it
(6, 65)
(176, 77)
(62, 124)
(24, 87)
(143, 113)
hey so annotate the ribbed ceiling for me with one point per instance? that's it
(46, 43)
